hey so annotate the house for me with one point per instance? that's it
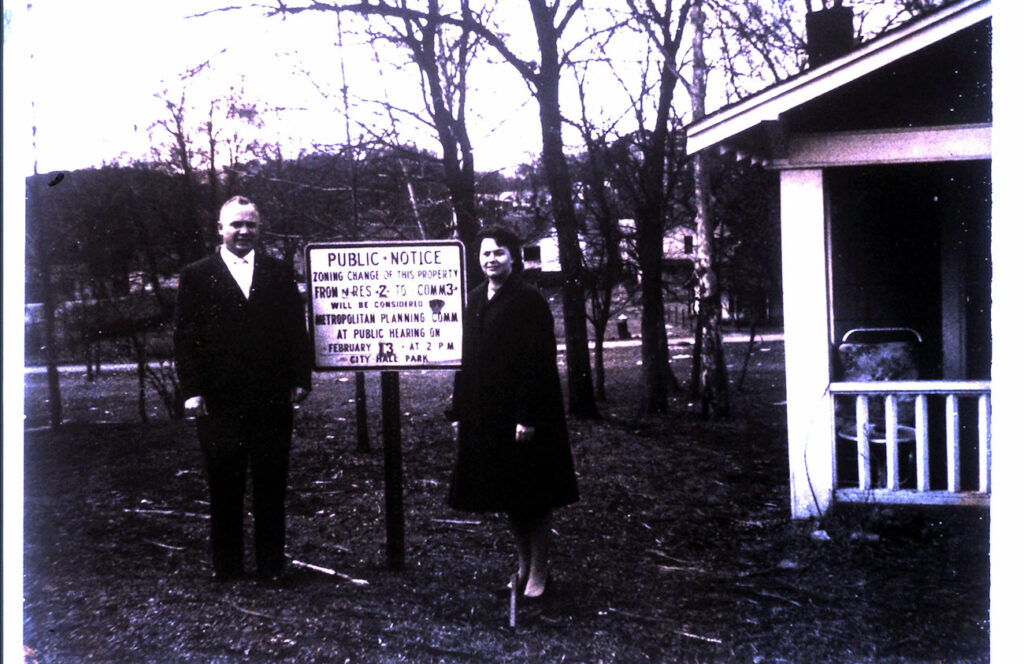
(541, 254)
(884, 160)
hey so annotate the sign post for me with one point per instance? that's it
(390, 306)
(391, 432)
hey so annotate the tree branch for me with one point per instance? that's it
(381, 9)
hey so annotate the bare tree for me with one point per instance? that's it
(442, 50)
(603, 259)
(599, 217)
(543, 80)
(179, 154)
(664, 26)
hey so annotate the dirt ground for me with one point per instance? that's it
(680, 550)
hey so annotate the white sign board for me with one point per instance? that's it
(386, 305)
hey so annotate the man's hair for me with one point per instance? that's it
(503, 237)
(239, 202)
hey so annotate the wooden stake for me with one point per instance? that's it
(513, 585)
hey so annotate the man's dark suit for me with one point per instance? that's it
(243, 357)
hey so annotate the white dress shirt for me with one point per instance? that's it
(240, 268)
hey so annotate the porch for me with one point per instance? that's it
(885, 188)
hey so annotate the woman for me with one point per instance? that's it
(513, 453)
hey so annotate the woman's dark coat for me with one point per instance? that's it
(509, 375)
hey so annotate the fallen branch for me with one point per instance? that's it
(676, 568)
(666, 556)
(750, 590)
(254, 613)
(457, 522)
(696, 636)
(635, 616)
(765, 593)
(166, 513)
(164, 546)
(682, 566)
(655, 619)
(330, 572)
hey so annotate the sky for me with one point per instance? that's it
(90, 71)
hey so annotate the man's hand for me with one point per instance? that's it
(195, 407)
(299, 395)
(524, 434)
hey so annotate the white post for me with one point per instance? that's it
(805, 305)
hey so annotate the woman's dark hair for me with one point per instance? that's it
(503, 237)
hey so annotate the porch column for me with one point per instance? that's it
(805, 306)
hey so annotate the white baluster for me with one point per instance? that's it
(984, 443)
(891, 448)
(952, 443)
(924, 476)
(863, 447)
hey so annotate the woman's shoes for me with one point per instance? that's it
(545, 593)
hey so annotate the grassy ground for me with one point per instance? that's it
(680, 550)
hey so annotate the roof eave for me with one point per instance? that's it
(768, 105)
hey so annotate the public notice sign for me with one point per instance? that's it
(386, 305)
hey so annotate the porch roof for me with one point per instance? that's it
(762, 111)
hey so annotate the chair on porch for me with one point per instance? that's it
(878, 355)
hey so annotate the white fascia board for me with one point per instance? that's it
(888, 146)
(771, 103)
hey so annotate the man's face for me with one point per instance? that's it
(239, 229)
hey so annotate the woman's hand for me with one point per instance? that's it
(524, 434)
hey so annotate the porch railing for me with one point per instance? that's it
(890, 435)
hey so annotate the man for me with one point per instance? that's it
(243, 358)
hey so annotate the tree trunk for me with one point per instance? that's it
(599, 379)
(650, 226)
(713, 383)
(577, 354)
(50, 336)
(44, 265)
(754, 325)
(696, 365)
(653, 338)
(140, 365)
